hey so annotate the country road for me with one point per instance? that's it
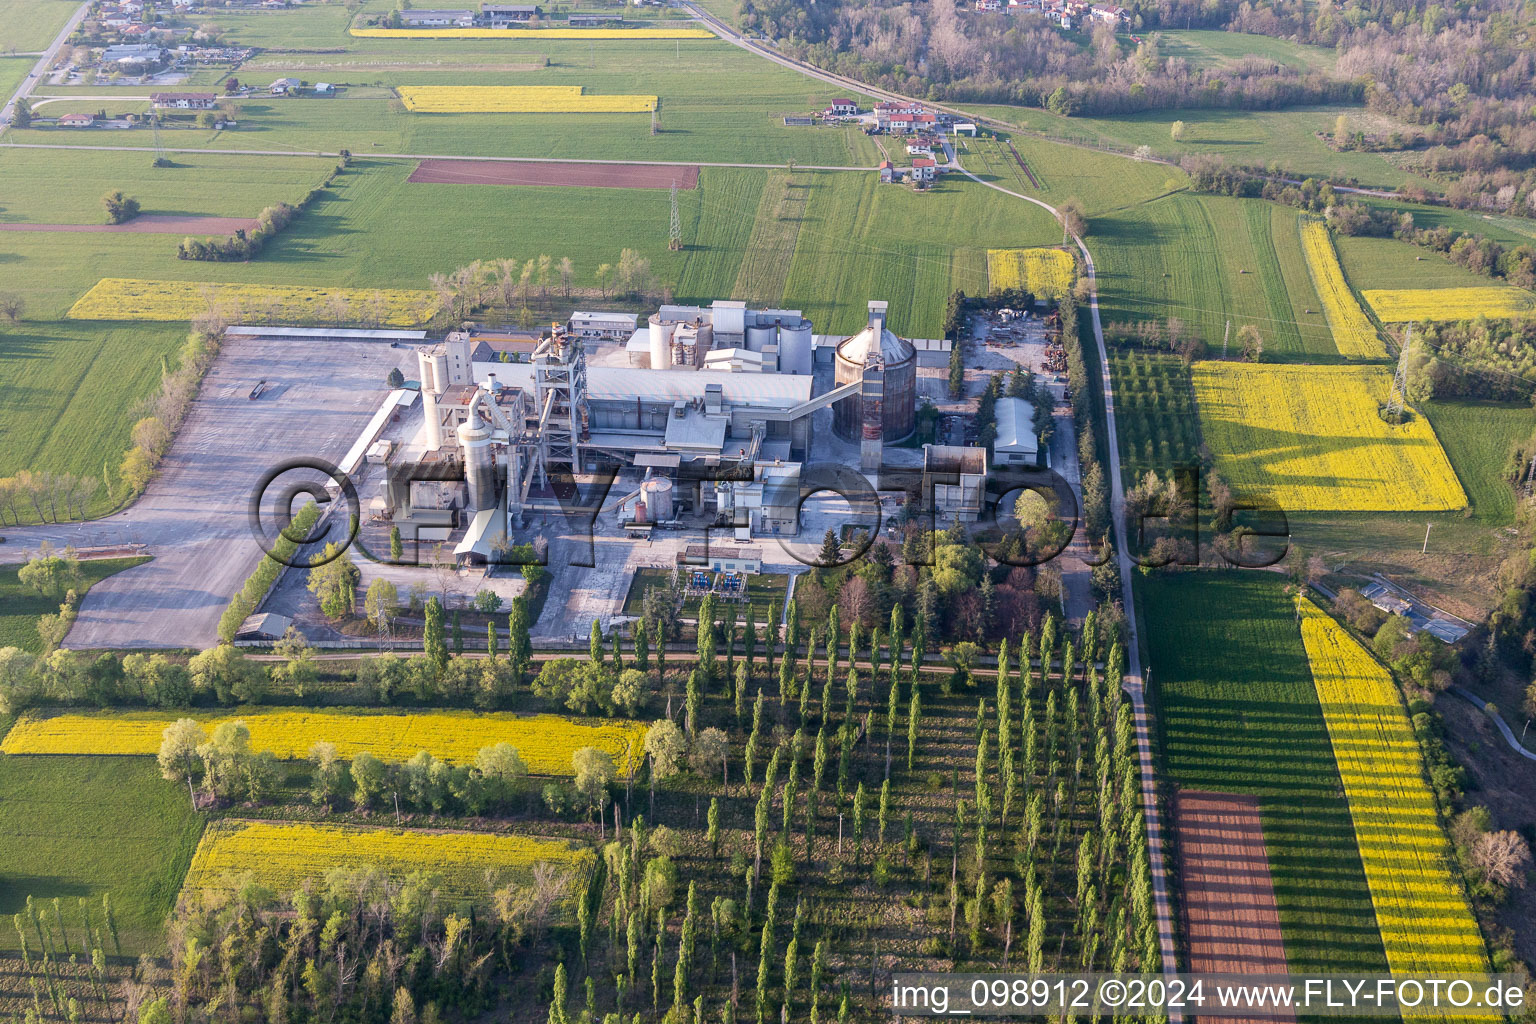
(1135, 680)
(43, 63)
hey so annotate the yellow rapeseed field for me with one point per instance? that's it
(282, 855)
(532, 33)
(1400, 305)
(1353, 332)
(546, 742)
(1044, 272)
(1310, 438)
(517, 99)
(122, 298)
(1425, 921)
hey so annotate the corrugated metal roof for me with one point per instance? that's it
(770, 390)
(259, 331)
(1016, 426)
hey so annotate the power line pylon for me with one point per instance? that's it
(675, 230)
(1399, 396)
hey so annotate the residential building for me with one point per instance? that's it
(923, 169)
(184, 100)
(989, 5)
(285, 86)
(75, 121)
(843, 107)
(887, 172)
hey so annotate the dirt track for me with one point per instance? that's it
(151, 224)
(1231, 918)
(478, 172)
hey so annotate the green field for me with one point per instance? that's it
(1205, 260)
(20, 606)
(1478, 437)
(13, 71)
(203, 184)
(1238, 713)
(1388, 263)
(718, 102)
(30, 25)
(1154, 413)
(1288, 139)
(73, 827)
(1206, 48)
(71, 390)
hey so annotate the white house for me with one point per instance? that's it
(843, 107)
(923, 169)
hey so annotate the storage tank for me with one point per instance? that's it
(479, 467)
(795, 348)
(661, 342)
(896, 359)
(760, 335)
(657, 495)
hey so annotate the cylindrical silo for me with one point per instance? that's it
(759, 336)
(661, 342)
(479, 467)
(898, 399)
(657, 495)
(795, 348)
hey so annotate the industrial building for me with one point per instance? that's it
(1017, 444)
(710, 405)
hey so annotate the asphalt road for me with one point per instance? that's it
(43, 63)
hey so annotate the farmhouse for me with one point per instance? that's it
(284, 86)
(843, 107)
(887, 172)
(603, 325)
(923, 169)
(1016, 444)
(184, 100)
(500, 15)
(428, 18)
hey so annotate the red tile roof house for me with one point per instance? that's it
(76, 121)
(843, 107)
(923, 169)
(887, 172)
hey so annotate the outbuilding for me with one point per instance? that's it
(1016, 443)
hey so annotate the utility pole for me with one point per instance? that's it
(675, 231)
(1425, 549)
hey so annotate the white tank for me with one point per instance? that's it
(657, 495)
(479, 468)
(661, 343)
(795, 348)
(759, 336)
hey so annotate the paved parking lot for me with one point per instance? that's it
(193, 517)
